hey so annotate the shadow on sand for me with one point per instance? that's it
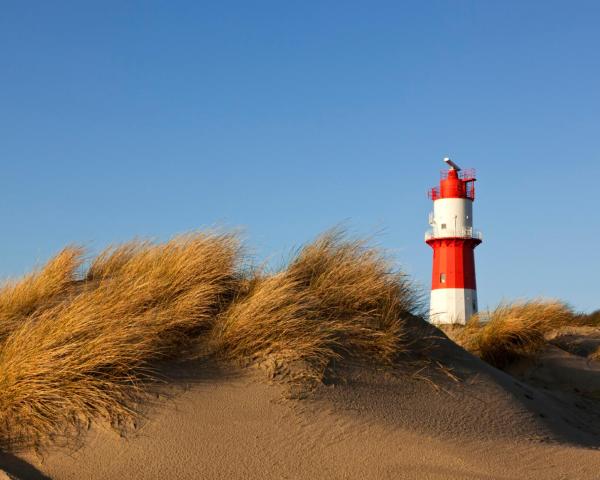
(19, 468)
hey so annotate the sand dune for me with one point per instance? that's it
(361, 423)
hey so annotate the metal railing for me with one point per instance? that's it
(453, 233)
(465, 188)
(465, 174)
(469, 192)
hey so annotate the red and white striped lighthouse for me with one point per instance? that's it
(453, 288)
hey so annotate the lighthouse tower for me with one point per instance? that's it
(453, 289)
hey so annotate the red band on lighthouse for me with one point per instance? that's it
(453, 262)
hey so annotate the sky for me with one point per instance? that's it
(283, 119)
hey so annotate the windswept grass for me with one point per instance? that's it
(78, 348)
(39, 290)
(512, 331)
(588, 319)
(337, 297)
(269, 320)
(88, 357)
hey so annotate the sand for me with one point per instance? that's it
(363, 423)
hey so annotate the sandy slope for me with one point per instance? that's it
(371, 425)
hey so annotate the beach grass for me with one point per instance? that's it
(512, 330)
(337, 297)
(78, 344)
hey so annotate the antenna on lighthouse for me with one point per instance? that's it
(451, 164)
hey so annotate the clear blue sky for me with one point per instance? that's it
(123, 119)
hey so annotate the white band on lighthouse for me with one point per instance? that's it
(452, 217)
(452, 305)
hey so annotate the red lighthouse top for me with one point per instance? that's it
(454, 183)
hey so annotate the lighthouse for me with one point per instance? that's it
(453, 240)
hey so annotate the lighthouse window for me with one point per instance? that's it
(443, 225)
(442, 278)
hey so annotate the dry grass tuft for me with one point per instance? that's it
(338, 297)
(512, 331)
(588, 319)
(38, 290)
(88, 357)
(270, 322)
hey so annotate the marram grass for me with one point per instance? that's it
(77, 345)
(512, 330)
